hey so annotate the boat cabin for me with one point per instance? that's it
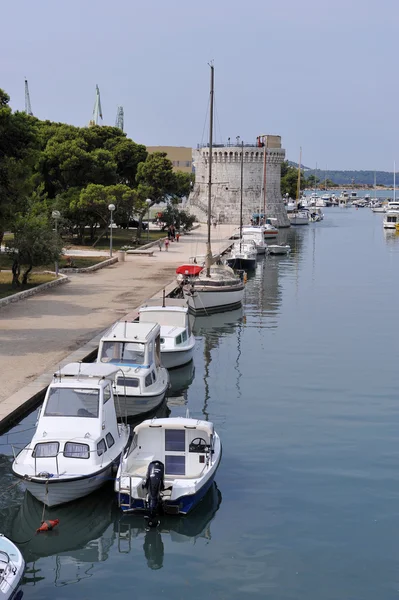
(182, 445)
(76, 423)
(136, 349)
(173, 319)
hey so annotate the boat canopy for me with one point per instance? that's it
(189, 270)
(176, 423)
(84, 370)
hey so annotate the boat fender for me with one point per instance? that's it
(47, 525)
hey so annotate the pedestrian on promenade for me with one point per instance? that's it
(177, 236)
(166, 245)
(160, 244)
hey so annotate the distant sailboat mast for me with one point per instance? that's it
(242, 182)
(394, 181)
(298, 186)
(208, 244)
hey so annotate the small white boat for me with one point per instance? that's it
(142, 381)
(315, 214)
(391, 219)
(169, 467)
(12, 566)
(299, 217)
(379, 209)
(255, 233)
(270, 231)
(77, 439)
(243, 255)
(219, 290)
(278, 249)
(177, 341)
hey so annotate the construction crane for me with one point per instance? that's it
(119, 118)
(97, 112)
(28, 108)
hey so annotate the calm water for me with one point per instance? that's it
(302, 387)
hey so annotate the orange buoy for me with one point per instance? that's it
(48, 525)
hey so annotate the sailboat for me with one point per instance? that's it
(243, 253)
(298, 216)
(217, 287)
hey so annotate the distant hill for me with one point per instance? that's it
(349, 177)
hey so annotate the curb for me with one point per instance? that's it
(100, 265)
(43, 287)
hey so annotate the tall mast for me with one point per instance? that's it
(242, 183)
(394, 181)
(375, 185)
(208, 244)
(264, 179)
(298, 185)
(28, 108)
(119, 122)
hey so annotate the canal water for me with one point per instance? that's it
(302, 385)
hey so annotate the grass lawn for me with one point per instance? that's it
(34, 280)
(77, 261)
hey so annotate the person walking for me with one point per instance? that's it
(160, 244)
(166, 245)
(177, 236)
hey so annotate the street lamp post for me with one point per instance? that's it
(148, 219)
(56, 215)
(111, 208)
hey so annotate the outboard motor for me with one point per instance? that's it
(154, 484)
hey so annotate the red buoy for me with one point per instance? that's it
(48, 525)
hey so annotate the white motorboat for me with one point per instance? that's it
(391, 219)
(278, 249)
(243, 255)
(379, 209)
(215, 289)
(177, 341)
(169, 466)
(142, 382)
(12, 566)
(270, 231)
(299, 217)
(290, 206)
(256, 234)
(315, 214)
(77, 439)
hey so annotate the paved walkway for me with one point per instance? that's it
(39, 332)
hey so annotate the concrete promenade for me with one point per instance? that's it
(41, 332)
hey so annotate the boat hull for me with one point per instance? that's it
(176, 358)
(299, 220)
(248, 264)
(205, 301)
(279, 250)
(132, 406)
(53, 492)
(179, 506)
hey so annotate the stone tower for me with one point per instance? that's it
(226, 178)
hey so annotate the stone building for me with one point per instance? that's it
(180, 156)
(226, 178)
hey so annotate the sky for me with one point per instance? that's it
(320, 73)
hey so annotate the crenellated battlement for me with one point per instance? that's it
(226, 180)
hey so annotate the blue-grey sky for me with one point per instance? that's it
(320, 73)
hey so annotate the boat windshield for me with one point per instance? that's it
(123, 353)
(72, 402)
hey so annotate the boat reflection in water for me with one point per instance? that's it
(132, 528)
(83, 537)
(224, 322)
(180, 380)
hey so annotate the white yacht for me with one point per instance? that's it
(270, 231)
(391, 219)
(243, 255)
(278, 249)
(135, 348)
(299, 217)
(169, 467)
(255, 233)
(12, 566)
(315, 214)
(177, 341)
(77, 439)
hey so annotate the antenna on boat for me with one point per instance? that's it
(125, 329)
(163, 298)
(80, 366)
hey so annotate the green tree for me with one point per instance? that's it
(289, 180)
(34, 244)
(182, 186)
(181, 219)
(17, 147)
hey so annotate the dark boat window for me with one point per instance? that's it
(175, 440)
(175, 465)
(110, 440)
